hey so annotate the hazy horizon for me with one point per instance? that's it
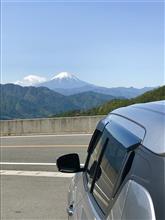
(33, 80)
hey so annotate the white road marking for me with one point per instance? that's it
(46, 135)
(35, 173)
(48, 145)
(35, 164)
(22, 163)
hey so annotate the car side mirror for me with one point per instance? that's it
(69, 163)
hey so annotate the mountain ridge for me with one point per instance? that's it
(68, 84)
(150, 96)
(35, 102)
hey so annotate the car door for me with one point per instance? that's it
(83, 208)
(78, 190)
(105, 171)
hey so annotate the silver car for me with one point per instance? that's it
(124, 173)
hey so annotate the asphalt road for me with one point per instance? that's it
(31, 187)
(46, 140)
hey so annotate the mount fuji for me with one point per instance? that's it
(68, 84)
(64, 80)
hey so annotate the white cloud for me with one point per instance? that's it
(31, 80)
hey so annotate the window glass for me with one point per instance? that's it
(120, 143)
(110, 165)
(93, 158)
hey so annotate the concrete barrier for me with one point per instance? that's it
(81, 124)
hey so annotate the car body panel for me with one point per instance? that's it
(134, 202)
(150, 116)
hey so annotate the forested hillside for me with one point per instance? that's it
(35, 102)
(154, 95)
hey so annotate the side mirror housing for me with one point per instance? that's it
(69, 163)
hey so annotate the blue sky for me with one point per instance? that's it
(111, 43)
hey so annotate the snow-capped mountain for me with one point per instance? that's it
(64, 80)
(64, 75)
(68, 84)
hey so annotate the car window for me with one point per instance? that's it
(93, 159)
(110, 165)
(115, 153)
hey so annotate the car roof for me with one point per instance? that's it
(150, 116)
